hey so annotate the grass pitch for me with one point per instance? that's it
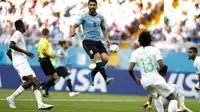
(85, 102)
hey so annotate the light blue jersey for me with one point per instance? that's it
(61, 61)
(91, 26)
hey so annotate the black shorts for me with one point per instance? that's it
(47, 66)
(62, 71)
(93, 47)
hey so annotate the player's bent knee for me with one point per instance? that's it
(104, 57)
(97, 56)
(36, 83)
(171, 97)
(55, 76)
(28, 83)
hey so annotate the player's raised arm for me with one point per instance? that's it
(104, 30)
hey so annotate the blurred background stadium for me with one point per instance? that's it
(174, 24)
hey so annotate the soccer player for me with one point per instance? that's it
(45, 63)
(192, 54)
(93, 23)
(18, 54)
(178, 92)
(61, 70)
(154, 84)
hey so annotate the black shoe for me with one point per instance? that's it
(45, 93)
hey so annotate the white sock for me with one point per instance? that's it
(173, 106)
(38, 96)
(159, 105)
(17, 92)
(181, 102)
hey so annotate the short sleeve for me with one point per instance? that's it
(133, 57)
(80, 20)
(16, 37)
(197, 67)
(158, 55)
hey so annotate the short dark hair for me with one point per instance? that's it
(19, 24)
(61, 42)
(194, 49)
(92, 1)
(145, 38)
(45, 31)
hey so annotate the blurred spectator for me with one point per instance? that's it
(123, 17)
(181, 27)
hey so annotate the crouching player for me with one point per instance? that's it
(178, 92)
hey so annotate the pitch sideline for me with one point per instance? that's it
(79, 100)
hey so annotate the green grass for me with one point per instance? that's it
(63, 103)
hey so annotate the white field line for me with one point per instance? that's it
(79, 100)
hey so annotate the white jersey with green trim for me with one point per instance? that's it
(146, 59)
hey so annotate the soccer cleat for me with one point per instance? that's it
(45, 107)
(71, 94)
(11, 102)
(109, 80)
(91, 77)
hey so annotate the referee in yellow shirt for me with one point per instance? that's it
(45, 63)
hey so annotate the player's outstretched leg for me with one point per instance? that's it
(109, 80)
(91, 76)
(71, 93)
(36, 90)
(173, 103)
(159, 105)
(28, 83)
(94, 72)
(11, 99)
(46, 87)
(104, 57)
(182, 104)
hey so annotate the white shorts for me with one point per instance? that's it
(159, 88)
(24, 69)
(178, 90)
(165, 102)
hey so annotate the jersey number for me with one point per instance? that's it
(94, 24)
(147, 64)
